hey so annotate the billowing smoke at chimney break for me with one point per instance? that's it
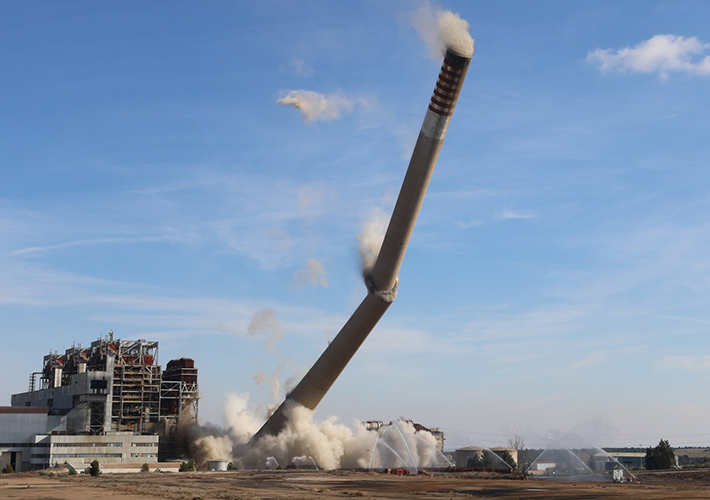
(370, 238)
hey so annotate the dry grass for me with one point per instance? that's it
(290, 485)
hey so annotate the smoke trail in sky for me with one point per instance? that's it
(264, 322)
(442, 30)
(291, 381)
(273, 380)
(315, 106)
(313, 273)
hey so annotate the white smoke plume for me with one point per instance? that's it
(331, 445)
(312, 274)
(370, 238)
(293, 380)
(272, 379)
(216, 443)
(442, 30)
(315, 106)
(264, 322)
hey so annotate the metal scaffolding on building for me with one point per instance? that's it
(138, 393)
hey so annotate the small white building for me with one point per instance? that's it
(545, 466)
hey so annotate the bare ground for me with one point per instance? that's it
(290, 485)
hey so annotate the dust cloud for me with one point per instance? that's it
(442, 30)
(332, 445)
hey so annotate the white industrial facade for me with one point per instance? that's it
(32, 439)
(112, 448)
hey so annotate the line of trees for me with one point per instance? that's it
(660, 457)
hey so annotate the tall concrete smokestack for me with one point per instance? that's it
(382, 279)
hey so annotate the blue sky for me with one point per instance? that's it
(558, 277)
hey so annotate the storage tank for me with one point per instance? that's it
(217, 465)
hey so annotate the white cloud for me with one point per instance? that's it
(694, 363)
(516, 214)
(315, 106)
(662, 54)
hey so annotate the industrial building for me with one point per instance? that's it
(464, 456)
(109, 402)
(608, 460)
(375, 425)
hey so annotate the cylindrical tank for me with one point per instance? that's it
(217, 465)
(382, 281)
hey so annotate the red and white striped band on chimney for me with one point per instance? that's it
(446, 94)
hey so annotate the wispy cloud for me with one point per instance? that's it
(662, 54)
(116, 167)
(515, 214)
(125, 303)
(274, 223)
(593, 358)
(659, 118)
(470, 224)
(691, 363)
(99, 241)
(300, 68)
(535, 322)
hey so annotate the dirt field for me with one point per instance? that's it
(289, 485)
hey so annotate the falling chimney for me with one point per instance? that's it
(382, 281)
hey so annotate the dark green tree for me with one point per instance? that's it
(8, 469)
(93, 469)
(474, 461)
(188, 466)
(660, 457)
(490, 459)
(508, 458)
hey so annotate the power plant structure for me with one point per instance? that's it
(376, 425)
(109, 401)
(382, 280)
